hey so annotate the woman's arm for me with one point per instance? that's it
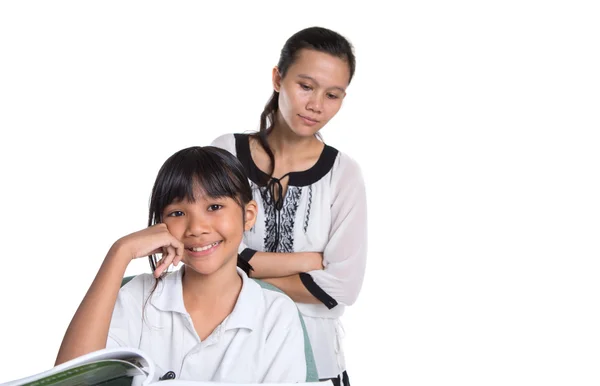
(345, 254)
(344, 257)
(88, 330)
(294, 288)
(277, 265)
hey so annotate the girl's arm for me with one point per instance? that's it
(88, 330)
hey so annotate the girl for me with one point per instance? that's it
(310, 237)
(206, 321)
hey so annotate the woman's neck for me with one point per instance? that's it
(283, 141)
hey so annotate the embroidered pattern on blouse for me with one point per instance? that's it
(270, 225)
(279, 225)
(308, 208)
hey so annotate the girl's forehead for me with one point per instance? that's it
(199, 192)
(200, 196)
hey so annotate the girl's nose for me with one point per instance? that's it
(197, 225)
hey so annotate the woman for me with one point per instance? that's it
(310, 237)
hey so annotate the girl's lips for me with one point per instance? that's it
(203, 251)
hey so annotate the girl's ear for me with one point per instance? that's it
(250, 212)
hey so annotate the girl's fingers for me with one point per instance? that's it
(158, 271)
(176, 248)
(172, 253)
(169, 255)
(180, 251)
(177, 260)
(160, 268)
(156, 251)
(160, 265)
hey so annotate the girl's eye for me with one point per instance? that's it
(214, 207)
(305, 87)
(332, 96)
(176, 213)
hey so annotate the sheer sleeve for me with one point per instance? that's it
(225, 141)
(344, 257)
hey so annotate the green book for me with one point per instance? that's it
(117, 367)
(108, 367)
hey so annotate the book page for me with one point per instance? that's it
(111, 372)
(97, 367)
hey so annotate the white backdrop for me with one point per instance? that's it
(475, 124)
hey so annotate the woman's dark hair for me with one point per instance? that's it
(314, 38)
(216, 171)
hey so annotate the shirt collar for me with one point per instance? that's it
(168, 297)
(246, 310)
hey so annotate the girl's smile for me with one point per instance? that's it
(202, 250)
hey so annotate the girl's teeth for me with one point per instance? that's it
(200, 249)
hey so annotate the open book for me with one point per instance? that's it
(116, 367)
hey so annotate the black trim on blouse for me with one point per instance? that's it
(317, 291)
(303, 178)
(244, 265)
(247, 254)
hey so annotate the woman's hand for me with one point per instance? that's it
(313, 260)
(149, 241)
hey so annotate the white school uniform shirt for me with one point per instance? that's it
(261, 340)
(324, 210)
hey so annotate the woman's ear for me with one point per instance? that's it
(276, 79)
(250, 213)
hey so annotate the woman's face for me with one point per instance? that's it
(312, 91)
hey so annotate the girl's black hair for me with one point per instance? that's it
(215, 171)
(314, 38)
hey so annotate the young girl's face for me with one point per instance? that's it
(312, 90)
(211, 230)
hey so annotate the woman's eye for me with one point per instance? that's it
(305, 87)
(176, 213)
(214, 207)
(332, 96)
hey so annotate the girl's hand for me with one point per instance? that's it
(149, 241)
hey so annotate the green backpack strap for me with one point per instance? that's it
(311, 366)
(126, 280)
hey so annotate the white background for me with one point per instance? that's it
(475, 123)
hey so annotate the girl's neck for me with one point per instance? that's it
(206, 291)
